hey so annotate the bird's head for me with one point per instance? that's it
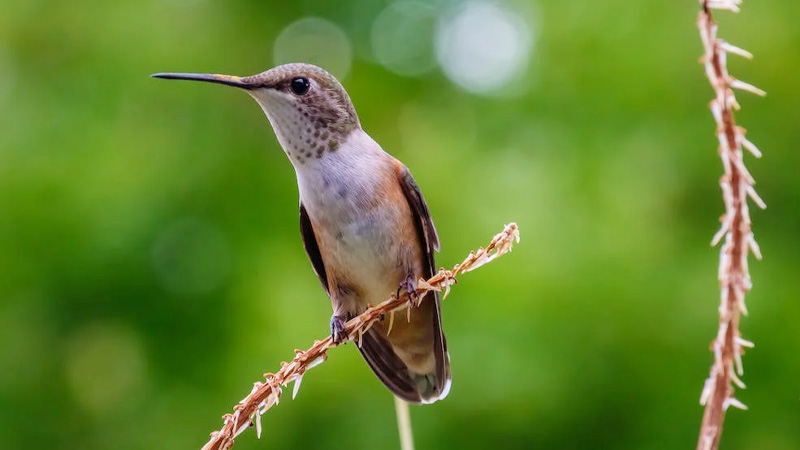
(308, 108)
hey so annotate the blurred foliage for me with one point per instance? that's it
(152, 265)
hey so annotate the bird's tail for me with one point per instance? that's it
(409, 353)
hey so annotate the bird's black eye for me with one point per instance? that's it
(300, 85)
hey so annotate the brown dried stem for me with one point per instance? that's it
(737, 185)
(264, 395)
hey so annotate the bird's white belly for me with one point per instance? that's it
(366, 253)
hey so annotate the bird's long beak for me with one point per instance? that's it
(228, 80)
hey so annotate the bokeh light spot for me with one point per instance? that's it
(191, 257)
(105, 367)
(483, 46)
(315, 41)
(402, 38)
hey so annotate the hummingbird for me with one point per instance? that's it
(364, 222)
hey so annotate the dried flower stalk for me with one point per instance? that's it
(264, 395)
(737, 186)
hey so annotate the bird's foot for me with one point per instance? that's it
(410, 286)
(338, 332)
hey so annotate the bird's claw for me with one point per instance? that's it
(410, 287)
(338, 331)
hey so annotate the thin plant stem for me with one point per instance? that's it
(404, 424)
(735, 234)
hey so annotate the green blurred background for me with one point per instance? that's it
(152, 267)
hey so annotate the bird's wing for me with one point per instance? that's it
(429, 240)
(312, 249)
(421, 214)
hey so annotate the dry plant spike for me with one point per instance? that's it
(248, 412)
(735, 232)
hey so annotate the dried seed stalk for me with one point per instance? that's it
(737, 186)
(266, 394)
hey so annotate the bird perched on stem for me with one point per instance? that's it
(365, 225)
